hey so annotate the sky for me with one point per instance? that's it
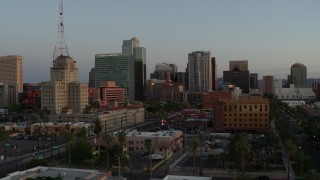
(271, 34)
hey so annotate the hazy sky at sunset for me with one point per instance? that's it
(270, 34)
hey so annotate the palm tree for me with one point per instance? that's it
(97, 129)
(302, 158)
(121, 139)
(70, 138)
(108, 139)
(201, 138)
(194, 144)
(291, 150)
(147, 144)
(241, 146)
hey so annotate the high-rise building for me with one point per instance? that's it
(239, 64)
(63, 90)
(92, 78)
(254, 81)
(238, 77)
(8, 94)
(140, 72)
(11, 71)
(268, 84)
(164, 71)
(128, 45)
(299, 75)
(200, 71)
(116, 67)
(214, 74)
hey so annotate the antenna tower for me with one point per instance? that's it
(60, 48)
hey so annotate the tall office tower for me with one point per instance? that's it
(132, 47)
(299, 75)
(268, 84)
(240, 64)
(164, 71)
(181, 77)
(11, 71)
(92, 77)
(116, 67)
(63, 89)
(200, 71)
(238, 77)
(128, 45)
(214, 74)
(254, 81)
(8, 94)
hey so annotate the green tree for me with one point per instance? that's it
(108, 140)
(240, 146)
(97, 129)
(302, 160)
(194, 144)
(81, 150)
(291, 149)
(201, 139)
(70, 138)
(147, 144)
(122, 139)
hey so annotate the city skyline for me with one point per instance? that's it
(271, 35)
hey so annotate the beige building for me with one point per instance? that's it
(58, 129)
(111, 119)
(64, 89)
(11, 71)
(163, 143)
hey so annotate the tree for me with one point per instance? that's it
(121, 139)
(201, 138)
(81, 150)
(36, 162)
(291, 150)
(108, 139)
(97, 129)
(147, 144)
(70, 139)
(302, 160)
(240, 145)
(194, 144)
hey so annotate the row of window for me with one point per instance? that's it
(245, 125)
(245, 107)
(245, 120)
(245, 115)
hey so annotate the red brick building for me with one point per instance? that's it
(209, 98)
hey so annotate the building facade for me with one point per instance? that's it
(268, 84)
(11, 71)
(239, 78)
(64, 89)
(200, 71)
(292, 93)
(253, 81)
(116, 67)
(246, 114)
(8, 94)
(299, 75)
(238, 64)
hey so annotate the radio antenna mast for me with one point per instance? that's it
(60, 48)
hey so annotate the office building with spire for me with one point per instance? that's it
(64, 89)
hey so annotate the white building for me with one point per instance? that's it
(64, 89)
(163, 143)
(292, 93)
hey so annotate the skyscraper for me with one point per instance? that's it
(254, 81)
(299, 75)
(11, 71)
(132, 48)
(268, 84)
(63, 90)
(239, 75)
(200, 71)
(116, 67)
(164, 71)
(214, 74)
(128, 45)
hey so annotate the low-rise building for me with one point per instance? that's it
(292, 93)
(59, 129)
(163, 143)
(246, 114)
